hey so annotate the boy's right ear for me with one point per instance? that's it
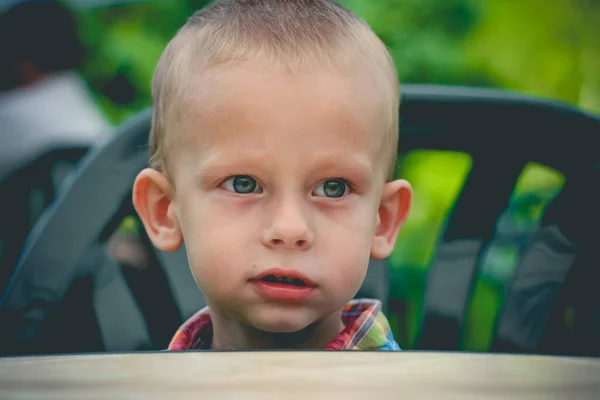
(152, 199)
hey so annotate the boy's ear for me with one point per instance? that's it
(395, 204)
(152, 199)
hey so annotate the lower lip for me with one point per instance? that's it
(283, 292)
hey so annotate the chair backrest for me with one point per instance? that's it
(25, 193)
(487, 124)
(502, 133)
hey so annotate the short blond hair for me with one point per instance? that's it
(295, 33)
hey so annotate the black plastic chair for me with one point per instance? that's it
(26, 192)
(501, 131)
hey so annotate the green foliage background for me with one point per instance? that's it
(545, 48)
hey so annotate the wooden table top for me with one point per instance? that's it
(306, 375)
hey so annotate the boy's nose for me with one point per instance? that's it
(288, 229)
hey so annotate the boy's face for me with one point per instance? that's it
(283, 174)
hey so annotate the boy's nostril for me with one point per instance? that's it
(298, 243)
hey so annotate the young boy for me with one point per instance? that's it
(273, 144)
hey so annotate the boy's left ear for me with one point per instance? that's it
(395, 204)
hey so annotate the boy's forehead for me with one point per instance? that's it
(217, 87)
(234, 88)
(248, 101)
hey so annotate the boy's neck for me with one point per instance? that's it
(230, 334)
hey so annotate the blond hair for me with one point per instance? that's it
(295, 33)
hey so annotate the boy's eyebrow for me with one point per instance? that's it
(360, 167)
(358, 170)
(205, 160)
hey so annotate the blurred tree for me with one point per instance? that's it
(549, 49)
(425, 37)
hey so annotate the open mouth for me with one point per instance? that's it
(285, 280)
(285, 285)
(281, 276)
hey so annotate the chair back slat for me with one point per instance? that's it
(458, 256)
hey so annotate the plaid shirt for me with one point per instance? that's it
(366, 329)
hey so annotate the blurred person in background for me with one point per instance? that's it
(45, 107)
(43, 100)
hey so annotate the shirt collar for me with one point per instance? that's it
(366, 329)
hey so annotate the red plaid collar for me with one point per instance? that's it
(359, 317)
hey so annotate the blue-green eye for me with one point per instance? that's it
(333, 188)
(242, 184)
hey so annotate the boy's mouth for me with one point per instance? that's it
(284, 285)
(284, 280)
(284, 277)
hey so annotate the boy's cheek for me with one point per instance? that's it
(211, 257)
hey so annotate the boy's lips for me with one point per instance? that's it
(283, 284)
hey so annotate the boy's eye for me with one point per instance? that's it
(242, 184)
(333, 188)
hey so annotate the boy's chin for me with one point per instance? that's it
(276, 321)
